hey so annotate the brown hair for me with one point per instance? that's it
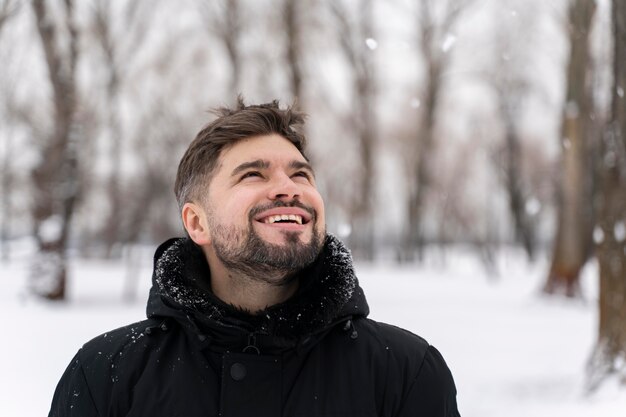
(232, 125)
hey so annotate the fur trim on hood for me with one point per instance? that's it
(328, 292)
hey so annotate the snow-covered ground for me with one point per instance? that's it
(512, 351)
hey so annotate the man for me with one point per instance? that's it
(257, 312)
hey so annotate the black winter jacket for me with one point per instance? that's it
(315, 355)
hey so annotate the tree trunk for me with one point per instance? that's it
(116, 213)
(415, 239)
(359, 56)
(119, 53)
(223, 18)
(432, 27)
(5, 205)
(55, 177)
(572, 241)
(104, 32)
(292, 27)
(524, 233)
(512, 86)
(8, 8)
(365, 99)
(230, 37)
(610, 351)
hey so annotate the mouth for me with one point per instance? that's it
(284, 217)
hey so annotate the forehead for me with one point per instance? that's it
(267, 147)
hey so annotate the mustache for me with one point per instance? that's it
(294, 203)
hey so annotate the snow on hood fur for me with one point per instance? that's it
(328, 292)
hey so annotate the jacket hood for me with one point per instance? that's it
(328, 293)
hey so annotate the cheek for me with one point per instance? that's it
(318, 205)
(238, 205)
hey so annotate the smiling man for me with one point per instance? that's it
(260, 220)
(258, 311)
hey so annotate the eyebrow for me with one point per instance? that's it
(301, 165)
(262, 164)
(257, 164)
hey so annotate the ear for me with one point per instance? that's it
(195, 221)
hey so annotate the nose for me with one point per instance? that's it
(284, 188)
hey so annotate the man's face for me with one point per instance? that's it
(264, 212)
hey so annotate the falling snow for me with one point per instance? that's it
(566, 143)
(372, 44)
(598, 235)
(609, 159)
(532, 206)
(51, 228)
(344, 230)
(619, 231)
(448, 43)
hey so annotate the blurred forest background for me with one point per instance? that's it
(486, 123)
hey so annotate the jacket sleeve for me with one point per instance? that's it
(72, 397)
(432, 393)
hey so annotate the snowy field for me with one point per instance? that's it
(512, 351)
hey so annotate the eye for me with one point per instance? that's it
(302, 174)
(251, 174)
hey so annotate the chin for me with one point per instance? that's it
(287, 236)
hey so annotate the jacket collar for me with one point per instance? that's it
(328, 293)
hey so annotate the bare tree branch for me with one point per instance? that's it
(224, 19)
(8, 9)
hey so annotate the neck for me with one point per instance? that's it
(250, 293)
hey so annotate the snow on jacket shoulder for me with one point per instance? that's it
(89, 385)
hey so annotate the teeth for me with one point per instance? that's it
(286, 217)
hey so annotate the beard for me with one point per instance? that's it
(245, 252)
